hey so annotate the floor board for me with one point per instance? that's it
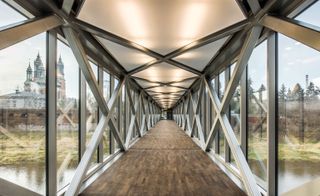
(164, 162)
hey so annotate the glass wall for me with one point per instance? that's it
(23, 112)
(311, 15)
(67, 114)
(213, 85)
(106, 133)
(23, 90)
(8, 15)
(235, 113)
(92, 114)
(299, 111)
(257, 113)
(222, 82)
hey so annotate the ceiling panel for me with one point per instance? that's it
(163, 72)
(165, 89)
(185, 84)
(200, 57)
(161, 25)
(128, 58)
(145, 84)
(166, 96)
(157, 94)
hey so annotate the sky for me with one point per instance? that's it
(295, 59)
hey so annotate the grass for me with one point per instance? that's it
(29, 147)
(293, 150)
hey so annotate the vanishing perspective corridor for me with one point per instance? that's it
(164, 162)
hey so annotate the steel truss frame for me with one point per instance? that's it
(300, 31)
(79, 36)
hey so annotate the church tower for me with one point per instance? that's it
(39, 71)
(27, 83)
(61, 83)
(29, 73)
(39, 74)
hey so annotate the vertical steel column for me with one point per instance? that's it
(100, 86)
(149, 114)
(112, 141)
(243, 113)
(203, 113)
(216, 140)
(51, 107)
(227, 155)
(82, 115)
(119, 113)
(272, 120)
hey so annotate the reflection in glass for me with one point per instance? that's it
(106, 133)
(23, 113)
(299, 111)
(67, 114)
(91, 113)
(8, 15)
(220, 131)
(235, 113)
(213, 146)
(311, 15)
(257, 113)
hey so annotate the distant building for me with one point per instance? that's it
(26, 109)
(33, 94)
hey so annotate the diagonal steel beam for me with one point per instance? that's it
(246, 174)
(160, 58)
(85, 67)
(94, 142)
(165, 83)
(67, 6)
(254, 6)
(196, 44)
(12, 34)
(241, 64)
(220, 109)
(196, 119)
(133, 107)
(94, 45)
(300, 31)
(144, 120)
(129, 44)
(187, 123)
(133, 122)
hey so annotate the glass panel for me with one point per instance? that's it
(257, 113)
(92, 113)
(235, 112)
(67, 115)
(106, 133)
(9, 15)
(213, 114)
(222, 82)
(220, 94)
(106, 85)
(299, 111)
(235, 116)
(23, 113)
(311, 15)
(123, 109)
(116, 110)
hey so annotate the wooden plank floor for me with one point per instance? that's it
(164, 162)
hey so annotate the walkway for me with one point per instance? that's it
(164, 162)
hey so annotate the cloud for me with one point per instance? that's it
(316, 81)
(311, 59)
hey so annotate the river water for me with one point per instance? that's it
(291, 175)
